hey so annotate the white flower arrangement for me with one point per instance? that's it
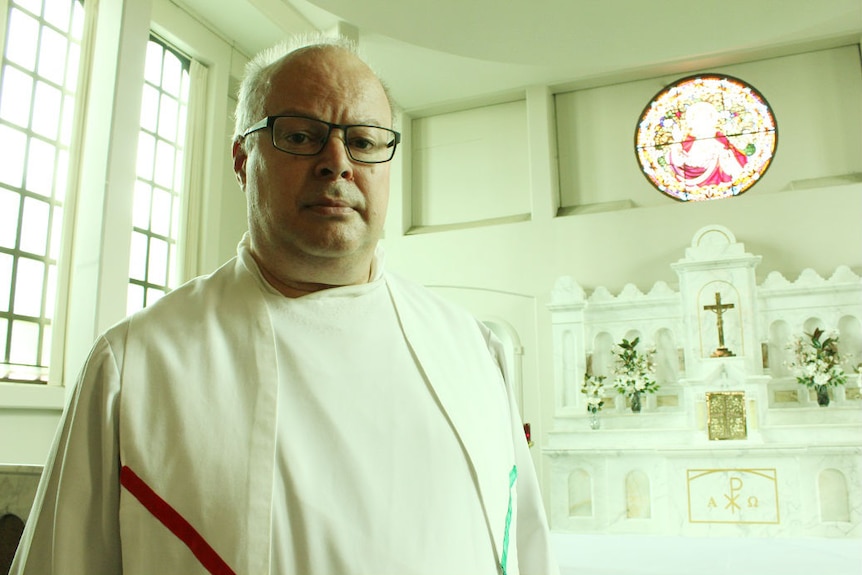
(817, 361)
(594, 388)
(634, 371)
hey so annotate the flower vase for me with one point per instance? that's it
(822, 395)
(636, 402)
(595, 423)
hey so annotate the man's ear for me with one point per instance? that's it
(239, 159)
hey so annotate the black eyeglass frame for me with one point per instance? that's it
(267, 123)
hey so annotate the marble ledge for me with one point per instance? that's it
(713, 449)
(813, 425)
(19, 469)
(811, 417)
(803, 426)
(686, 437)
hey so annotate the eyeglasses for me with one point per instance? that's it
(303, 136)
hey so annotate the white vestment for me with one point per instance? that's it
(201, 426)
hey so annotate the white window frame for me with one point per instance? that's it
(97, 230)
(56, 199)
(99, 290)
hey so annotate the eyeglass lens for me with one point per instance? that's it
(307, 137)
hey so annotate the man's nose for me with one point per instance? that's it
(333, 160)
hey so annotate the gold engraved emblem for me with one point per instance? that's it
(726, 415)
(733, 496)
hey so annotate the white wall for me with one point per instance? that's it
(487, 148)
(28, 420)
(804, 213)
(814, 95)
(232, 222)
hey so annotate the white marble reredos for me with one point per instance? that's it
(799, 466)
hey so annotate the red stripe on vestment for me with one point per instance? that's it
(175, 522)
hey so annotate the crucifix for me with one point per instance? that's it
(719, 309)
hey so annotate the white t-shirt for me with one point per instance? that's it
(370, 477)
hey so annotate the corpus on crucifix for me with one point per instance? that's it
(719, 309)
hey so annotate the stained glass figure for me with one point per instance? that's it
(706, 137)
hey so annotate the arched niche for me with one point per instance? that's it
(778, 354)
(632, 334)
(666, 357)
(811, 324)
(833, 496)
(570, 375)
(508, 336)
(720, 313)
(850, 343)
(11, 528)
(602, 360)
(638, 504)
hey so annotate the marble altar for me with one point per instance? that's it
(794, 469)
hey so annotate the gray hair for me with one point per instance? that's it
(254, 88)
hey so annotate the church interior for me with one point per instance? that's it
(518, 193)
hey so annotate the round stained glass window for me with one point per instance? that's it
(706, 137)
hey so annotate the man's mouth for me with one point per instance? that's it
(330, 207)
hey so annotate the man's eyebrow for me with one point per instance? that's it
(360, 122)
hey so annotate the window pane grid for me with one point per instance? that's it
(38, 78)
(158, 190)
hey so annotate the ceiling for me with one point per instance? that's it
(438, 52)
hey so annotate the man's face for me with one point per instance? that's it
(316, 209)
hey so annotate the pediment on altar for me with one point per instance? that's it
(714, 243)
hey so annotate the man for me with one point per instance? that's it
(300, 410)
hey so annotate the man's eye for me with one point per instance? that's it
(297, 138)
(362, 144)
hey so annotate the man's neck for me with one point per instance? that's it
(288, 285)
